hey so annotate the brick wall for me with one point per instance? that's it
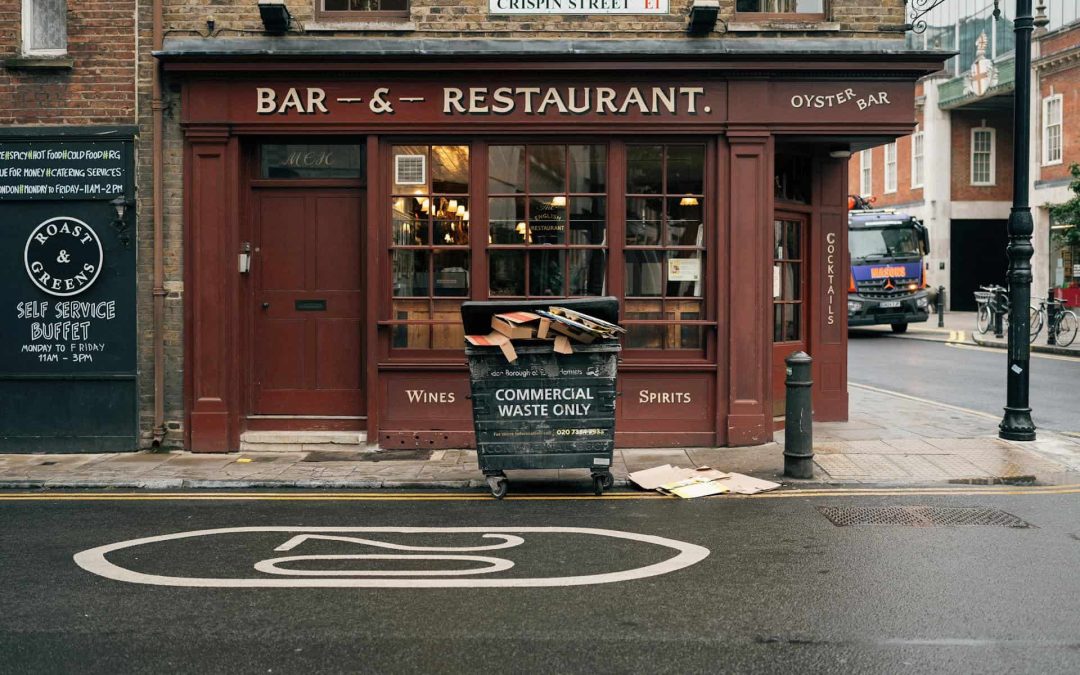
(1060, 40)
(99, 88)
(1061, 75)
(471, 18)
(905, 193)
(962, 124)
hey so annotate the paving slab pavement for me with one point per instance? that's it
(891, 439)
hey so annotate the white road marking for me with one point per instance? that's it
(94, 560)
(271, 566)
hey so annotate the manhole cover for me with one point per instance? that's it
(920, 516)
(387, 456)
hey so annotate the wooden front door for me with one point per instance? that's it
(789, 297)
(308, 303)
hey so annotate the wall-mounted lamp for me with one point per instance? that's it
(840, 154)
(275, 16)
(703, 15)
(120, 205)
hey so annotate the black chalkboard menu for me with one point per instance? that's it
(67, 291)
(72, 170)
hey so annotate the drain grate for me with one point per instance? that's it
(920, 516)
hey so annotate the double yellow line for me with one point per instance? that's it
(484, 497)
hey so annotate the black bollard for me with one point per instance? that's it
(999, 317)
(940, 306)
(1051, 319)
(798, 418)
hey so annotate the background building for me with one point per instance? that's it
(955, 171)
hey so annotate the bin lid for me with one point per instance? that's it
(476, 315)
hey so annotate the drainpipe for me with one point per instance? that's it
(158, 108)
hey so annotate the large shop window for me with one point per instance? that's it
(547, 230)
(665, 246)
(430, 259)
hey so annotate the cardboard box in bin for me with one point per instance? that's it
(551, 323)
(516, 325)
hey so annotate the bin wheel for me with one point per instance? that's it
(609, 481)
(598, 485)
(498, 485)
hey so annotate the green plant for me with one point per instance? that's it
(1069, 213)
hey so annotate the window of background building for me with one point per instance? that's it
(982, 156)
(816, 7)
(917, 141)
(348, 10)
(866, 173)
(665, 245)
(44, 27)
(547, 223)
(890, 167)
(1052, 130)
(429, 250)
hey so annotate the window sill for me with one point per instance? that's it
(781, 26)
(1057, 163)
(39, 63)
(385, 25)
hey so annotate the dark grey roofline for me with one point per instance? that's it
(491, 48)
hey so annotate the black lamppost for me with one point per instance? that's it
(1016, 425)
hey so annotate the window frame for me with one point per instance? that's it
(712, 301)
(566, 247)
(358, 16)
(388, 247)
(707, 252)
(866, 172)
(891, 187)
(918, 154)
(1046, 103)
(784, 16)
(992, 181)
(26, 44)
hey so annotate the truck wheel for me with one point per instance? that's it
(899, 328)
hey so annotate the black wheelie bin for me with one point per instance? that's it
(545, 410)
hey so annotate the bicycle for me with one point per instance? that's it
(1064, 325)
(994, 300)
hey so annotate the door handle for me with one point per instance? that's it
(266, 305)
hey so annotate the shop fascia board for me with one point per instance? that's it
(802, 53)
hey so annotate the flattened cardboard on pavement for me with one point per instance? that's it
(698, 482)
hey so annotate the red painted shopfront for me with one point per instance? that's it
(337, 215)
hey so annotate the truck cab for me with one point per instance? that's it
(888, 278)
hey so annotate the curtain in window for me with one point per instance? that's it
(48, 24)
